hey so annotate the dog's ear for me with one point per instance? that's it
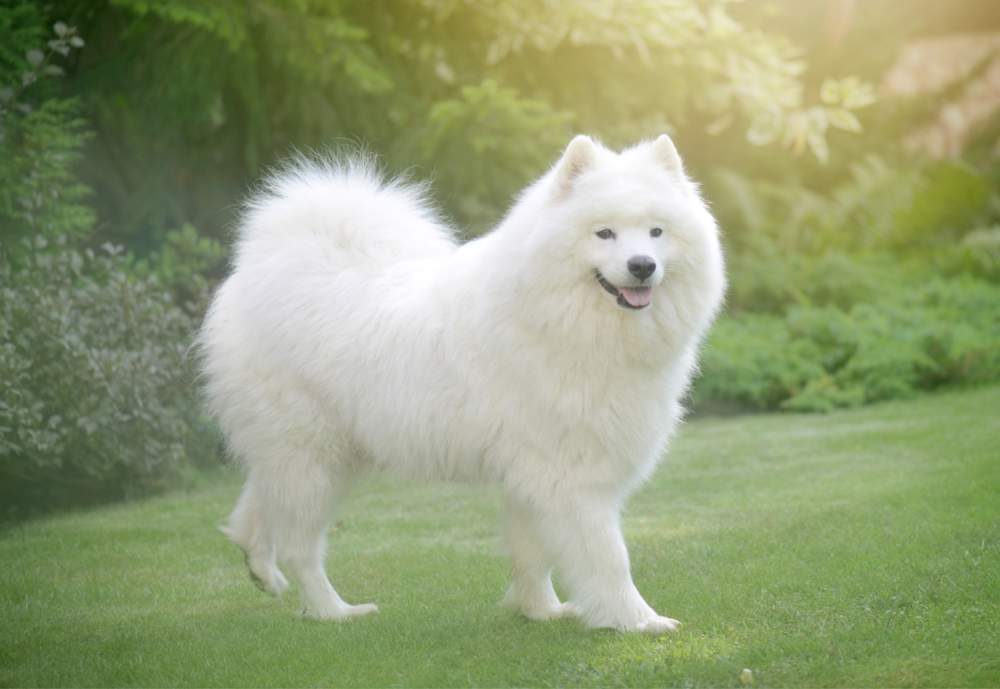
(666, 154)
(579, 155)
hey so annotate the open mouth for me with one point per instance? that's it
(627, 297)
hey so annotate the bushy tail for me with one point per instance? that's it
(345, 204)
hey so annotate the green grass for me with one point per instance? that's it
(856, 549)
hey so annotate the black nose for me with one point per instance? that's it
(641, 266)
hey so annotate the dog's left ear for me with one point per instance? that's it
(666, 154)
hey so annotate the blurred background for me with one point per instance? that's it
(850, 150)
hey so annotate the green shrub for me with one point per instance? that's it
(95, 394)
(913, 208)
(767, 279)
(977, 254)
(886, 286)
(502, 139)
(752, 362)
(184, 265)
(40, 135)
(815, 358)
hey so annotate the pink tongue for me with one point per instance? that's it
(637, 296)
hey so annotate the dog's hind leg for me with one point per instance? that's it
(531, 592)
(248, 529)
(301, 508)
(283, 515)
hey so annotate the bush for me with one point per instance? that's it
(886, 286)
(909, 209)
(977, 254)
(40, 135)
(184, 266)
(39, 194)
(95, 398)
(817, 358)
(771, 281)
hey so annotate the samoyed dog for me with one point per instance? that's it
(549, 356)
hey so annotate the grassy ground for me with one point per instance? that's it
(856, 549)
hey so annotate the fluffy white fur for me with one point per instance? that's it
(355, 333)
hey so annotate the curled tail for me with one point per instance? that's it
(343, 204)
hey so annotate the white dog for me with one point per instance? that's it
(549, 355)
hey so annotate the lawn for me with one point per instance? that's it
(860, 548)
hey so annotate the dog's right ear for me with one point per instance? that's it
(579, 155)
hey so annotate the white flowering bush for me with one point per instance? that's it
(95, 389)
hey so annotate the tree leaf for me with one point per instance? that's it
(843, 119)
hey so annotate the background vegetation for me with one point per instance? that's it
(862, 268)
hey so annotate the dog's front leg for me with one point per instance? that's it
(585, 539)
(531, 592)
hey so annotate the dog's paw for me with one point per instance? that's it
(537, 604)
(266, 576)
(658, 624)
(548, 612)
(340, 612)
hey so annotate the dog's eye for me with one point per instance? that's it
(656, 232)
(606, 233)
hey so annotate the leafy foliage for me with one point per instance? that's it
(95, 397)
(94, 381)
(816, 358)
(185, 265)
(414, 79)
(907, 208)
(509, 138)
(40, 137)
(977, 254)
(884, 286)
(39, 194)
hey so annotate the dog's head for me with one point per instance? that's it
(629, 221)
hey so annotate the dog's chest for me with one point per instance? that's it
(584, 409)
